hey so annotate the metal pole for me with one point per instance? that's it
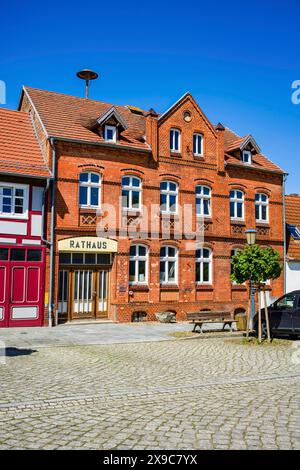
(252, 290)
(284, 232)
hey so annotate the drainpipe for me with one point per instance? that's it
(284, 231)
(52, 220)
(44, 240)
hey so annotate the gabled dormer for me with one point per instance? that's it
(248, 148)
(111, 124)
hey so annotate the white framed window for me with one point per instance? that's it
(175, 137)
(89, 189)
(13, 200)
(234, 252)
(237, 204)
(168, 197)
(261, 207)
(247, 157)
(198, 145)
(138, 264)
(110, 133)
(168, 265)
(204, 266)
(203, 200)
(131, 193)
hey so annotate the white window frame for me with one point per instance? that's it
(130, 188)
(14, 186)
(200, 260)
(237, 200)
(235, 252)
(111, 128)
(136, 259)
(89, 185)
(172, 142)
(197, 153)
(169, 192)
(166, 259)
(247, 155)
(203, 196)
(259, 204)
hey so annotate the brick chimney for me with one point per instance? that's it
(220, 156)
(151, 132)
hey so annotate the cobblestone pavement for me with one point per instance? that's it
(191, 394)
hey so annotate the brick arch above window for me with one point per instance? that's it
(91, 166)
(170, 176)
(262, 189)
(203, 182)
(133, 172)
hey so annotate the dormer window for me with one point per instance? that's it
(247, 157)
(110, 133)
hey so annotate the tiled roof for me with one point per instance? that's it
(71, 117)
(232, 142)
(20, 152)
(293, 218)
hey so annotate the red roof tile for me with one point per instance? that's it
(19, 149)
(293, 218)
(71, 117)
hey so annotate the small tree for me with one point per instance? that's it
(256, 265)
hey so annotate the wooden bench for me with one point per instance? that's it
(206, 316)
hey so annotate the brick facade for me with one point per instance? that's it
(152, 165)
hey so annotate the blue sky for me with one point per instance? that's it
(238, 59)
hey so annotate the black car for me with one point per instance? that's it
(284, 316)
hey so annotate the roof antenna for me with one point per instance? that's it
(87, 75)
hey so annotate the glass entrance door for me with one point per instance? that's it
(102, 287)
(83, 293)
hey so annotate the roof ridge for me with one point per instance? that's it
(85, 100)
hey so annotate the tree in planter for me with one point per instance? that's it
(256, 265)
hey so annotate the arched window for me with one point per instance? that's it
(89, 189)
(198, 145)
(168, 265)
(138, 264)
(204, 266)
(174, 140)
(234, 252)
(168, 197)
(203, 200)
(236, 204)
(131, 192)
(261, 207)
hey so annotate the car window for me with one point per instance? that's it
(286, 302)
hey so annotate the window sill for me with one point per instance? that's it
(238, 287)
(198, 157)
(237, 222)
(139, 288)
(131, 212)
(169, 287)
(90, 210)
(204, 287)
(14, 217)
(207, 218)
(169, 215)
(262, 224)
(173, 153)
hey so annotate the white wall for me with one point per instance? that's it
(292, 276)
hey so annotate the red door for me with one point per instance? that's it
(22, 294)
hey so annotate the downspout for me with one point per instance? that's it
(284, 231)
(44, 240)
(52, 221)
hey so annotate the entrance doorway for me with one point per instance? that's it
(83, 293)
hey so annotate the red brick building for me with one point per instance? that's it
(159, 173)
(23, 181)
